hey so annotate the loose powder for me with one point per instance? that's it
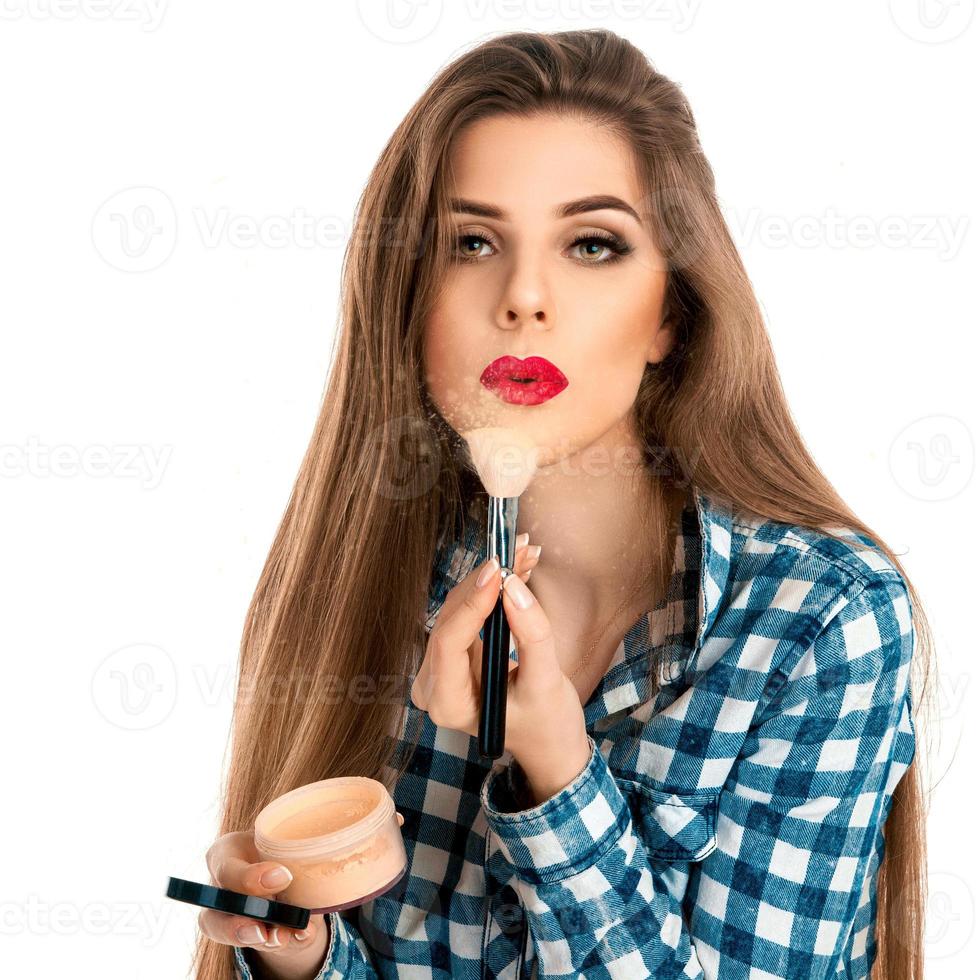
(325, 876)
(323, 818)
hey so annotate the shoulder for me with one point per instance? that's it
(814, 576)
(796, 602)
(838, 551)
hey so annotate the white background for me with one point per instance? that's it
(160, 377)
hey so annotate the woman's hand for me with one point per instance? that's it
(234, 863)
(545, 723)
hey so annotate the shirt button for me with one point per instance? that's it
(510, 913)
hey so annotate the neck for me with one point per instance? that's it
(589, 512)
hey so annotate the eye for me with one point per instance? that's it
(468, 247)
(613, 244)
(468, 254)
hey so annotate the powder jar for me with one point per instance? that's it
(340, 838)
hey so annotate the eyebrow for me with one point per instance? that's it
(595, 202)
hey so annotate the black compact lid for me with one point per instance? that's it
(238, 903)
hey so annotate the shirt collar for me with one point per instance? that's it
(715, 519)
(678, 626)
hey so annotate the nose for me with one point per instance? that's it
(525, 298)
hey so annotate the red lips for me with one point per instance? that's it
(529, 382)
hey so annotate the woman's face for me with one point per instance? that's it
(539, 276)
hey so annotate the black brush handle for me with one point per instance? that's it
(496, 664)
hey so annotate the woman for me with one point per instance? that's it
(711, 718)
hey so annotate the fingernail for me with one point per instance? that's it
(302, 934)
(488, 572)
(519, 592)
(250, 935)
(276, 878)
(274, 937)
(522, 539)
(534, 552)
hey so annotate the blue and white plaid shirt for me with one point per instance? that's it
(728, 824)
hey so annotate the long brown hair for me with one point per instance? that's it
(335, 630)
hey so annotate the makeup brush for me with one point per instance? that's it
(505, 460)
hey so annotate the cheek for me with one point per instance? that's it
(607, 394)
(617, 327)
(614, 354)
(435, 363)
(452, 364)
(443, 336)
(438, 341)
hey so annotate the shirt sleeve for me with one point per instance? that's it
(347, 955)
(777, 868)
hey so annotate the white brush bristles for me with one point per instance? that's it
(504, 459)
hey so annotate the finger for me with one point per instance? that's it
(449, 684)
(526, 558)
(241, 930)
(304, 937)
(476, 661)
(529, 558)
(422, 683)
(237, 930)
(534, 637)
(235, 863)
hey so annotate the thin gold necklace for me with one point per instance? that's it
(609, 623)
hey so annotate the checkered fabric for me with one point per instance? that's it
(729, 821)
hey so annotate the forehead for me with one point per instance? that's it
(531, 165)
